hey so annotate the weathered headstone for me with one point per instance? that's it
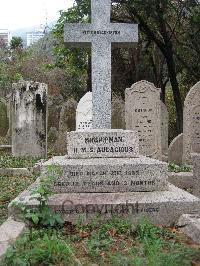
(164, 130)
(3, 118)
(143, 114)
(191, 124)
(99, 35)
(118, 112)
(84, 113)
(29, 119)
(67, 123)
(175, 152)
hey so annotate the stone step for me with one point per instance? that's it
(160, 207)
(107, 175)
(98, 143)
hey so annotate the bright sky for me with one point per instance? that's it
(16, 14)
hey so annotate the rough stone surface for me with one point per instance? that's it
(196, 170)
(67, 122)
(15, 172)
(191, 124)
(118, 112)
(183, 180)
(107, 174)
(161, 207)
(143, 114)
(164, 129)
(99, 35)
(98, 143)
(29, 119)
(10, 230)
(84, 113)
(190, 225)
(175, 152)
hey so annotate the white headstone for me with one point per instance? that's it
(84, 113)
(191, 124)
(143, 114)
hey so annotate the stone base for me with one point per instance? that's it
(160, 207)
(107, 174)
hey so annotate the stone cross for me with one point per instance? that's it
(99, 35)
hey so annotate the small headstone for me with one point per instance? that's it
(67, 123)
(175, 152)
(164, 130)
(191, 124)
(29, 119)
(143, 114)
(118, 112)
(84, 113)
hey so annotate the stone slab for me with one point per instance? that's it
(103, 143)
(10, 230)
(183, 180)
(190, 225)
(161, 207)
(107, 174)
(6, 147)
(15, 172)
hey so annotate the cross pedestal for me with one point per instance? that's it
(99, 35)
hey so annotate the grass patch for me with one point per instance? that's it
(172, 167)
(9, 161)
(116, 242)
(10, 188)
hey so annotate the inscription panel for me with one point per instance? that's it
(143, 113)
(103, 143)
(110, 175)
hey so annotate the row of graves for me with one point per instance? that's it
(107, 171)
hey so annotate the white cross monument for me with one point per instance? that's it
(99, 35)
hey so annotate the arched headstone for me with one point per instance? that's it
(143, 114)
(191, 124)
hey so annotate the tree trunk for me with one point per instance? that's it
(89, 72)
(175, 89)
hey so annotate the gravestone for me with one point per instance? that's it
(103, 173)
(164, 131)
(191, 124)
(84, 113)
(175, 152)
(4, 123)
(29, 119)
(143, 114)
(67, 122)
(99, 35)
(118, 112)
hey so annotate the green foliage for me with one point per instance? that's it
(42, 215)
(16, 43)
(11, 186)
(9, 161)
(115, 242)
(44, 247)
(172, 167)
